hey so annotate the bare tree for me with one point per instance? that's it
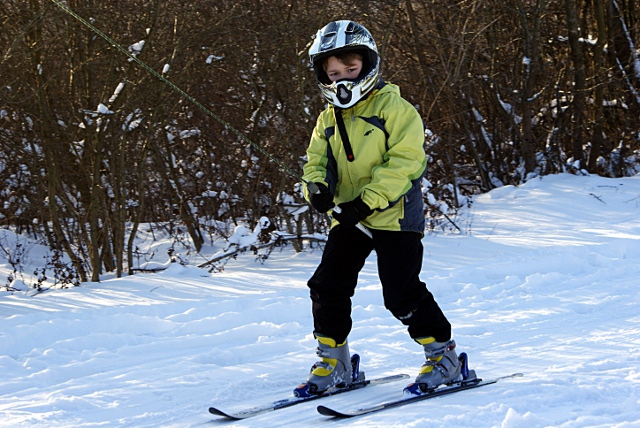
(93, 145)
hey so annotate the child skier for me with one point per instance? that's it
(366, 155)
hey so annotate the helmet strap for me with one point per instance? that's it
(343, 134)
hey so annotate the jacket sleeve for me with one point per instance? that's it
(321, 165)
(404, 161)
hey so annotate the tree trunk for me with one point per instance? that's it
(580, 84)
(597, 139)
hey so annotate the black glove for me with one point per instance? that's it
(322, 201)
(352, 212)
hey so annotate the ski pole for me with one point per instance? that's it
(314, 190)
(169, 83)
(360, 226)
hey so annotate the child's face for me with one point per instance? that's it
(337, 70)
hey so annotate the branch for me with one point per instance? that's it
(277, 239)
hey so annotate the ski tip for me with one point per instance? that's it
(510, 376)
(219, 412)
(326, 411)
(215, 411)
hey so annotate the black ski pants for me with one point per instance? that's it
(399, 257)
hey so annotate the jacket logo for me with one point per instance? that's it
(368, 132)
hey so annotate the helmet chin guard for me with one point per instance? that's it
(344, 94)
(342, 37)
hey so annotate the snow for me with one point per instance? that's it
(103, 109)
(544, 280)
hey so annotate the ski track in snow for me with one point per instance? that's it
(545, 280)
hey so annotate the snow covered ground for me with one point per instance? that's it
(544, 280)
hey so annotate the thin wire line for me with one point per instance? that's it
(177, 89)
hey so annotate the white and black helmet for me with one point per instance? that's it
(343, 37)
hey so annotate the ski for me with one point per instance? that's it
(410, 398)
(291, 401)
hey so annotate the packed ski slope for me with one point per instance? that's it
(544, 280)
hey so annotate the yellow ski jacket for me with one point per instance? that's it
(386, 134)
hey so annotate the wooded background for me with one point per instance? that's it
(93, 146)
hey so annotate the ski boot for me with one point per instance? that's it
(443, 367)
(336, 369)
